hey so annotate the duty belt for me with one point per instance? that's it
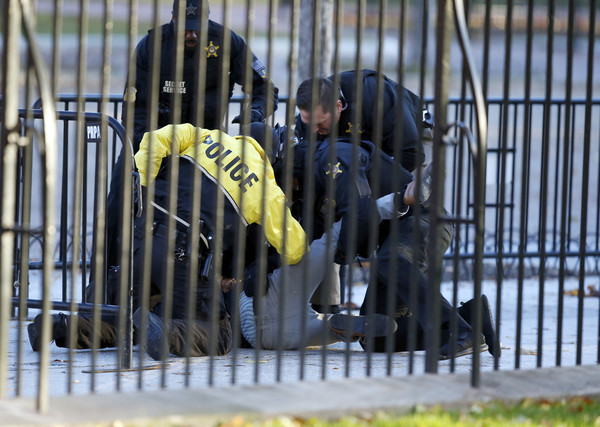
(182, 236)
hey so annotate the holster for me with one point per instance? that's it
(183, 249)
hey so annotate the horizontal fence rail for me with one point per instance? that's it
(509, 158)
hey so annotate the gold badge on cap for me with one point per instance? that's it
(190, 10)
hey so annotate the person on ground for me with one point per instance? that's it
(392, 250)
(287, 321)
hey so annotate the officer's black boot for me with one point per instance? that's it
(59, 330)
(488, 327)
(155, 329)
(461, 346)
(354, 327)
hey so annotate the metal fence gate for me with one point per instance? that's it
(516, 102)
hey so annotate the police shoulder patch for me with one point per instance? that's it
(129, 95)
(259, 68)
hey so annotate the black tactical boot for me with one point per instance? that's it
(488, 326)
(462, 347)
(155, 331)
(59, 329)
(375, 325)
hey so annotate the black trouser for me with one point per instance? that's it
(107, 334)
(402, 256)
(108, 321)
(200, 335)
(201, 326)
(113, 231)
(114, 211)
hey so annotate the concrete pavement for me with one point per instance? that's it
(266, 383)
(331, 399)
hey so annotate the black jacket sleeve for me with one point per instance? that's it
(352, 194)
(411, 152)
(139, 92)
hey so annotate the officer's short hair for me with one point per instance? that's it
(326, 94)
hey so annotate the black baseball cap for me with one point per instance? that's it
(193, 13)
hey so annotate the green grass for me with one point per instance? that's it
(565, 413)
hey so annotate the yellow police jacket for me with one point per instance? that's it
(237, 164)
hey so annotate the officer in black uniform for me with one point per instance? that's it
(414, 118)
(355, 184)
(234, 169)
(410, 152)
(263, 91)
(187, 87)
(199, 345)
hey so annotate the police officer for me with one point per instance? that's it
(246, 177)
(186, 88)
(397, 250)
(238, 168)
(326, 115)
(263, 90)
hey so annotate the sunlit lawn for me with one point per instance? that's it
(577, 411)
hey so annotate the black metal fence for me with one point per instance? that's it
(531, 204)
(539, 239)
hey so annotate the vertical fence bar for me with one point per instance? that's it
(501, 163)
(356, 118)
(269, 142)
(308, 184)
(286, 185)
(479, 155)
(47, 150)
(79, 182)
(459, 116)
(526, 161)
(152, 122)
(168, 297)
(442, 71)
(11, 17)
(413, 325)
(586, 174)
(565, 183)
(543, 197)
(375, 181)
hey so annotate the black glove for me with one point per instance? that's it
(340, 257)
(164, 114)
(255, 116)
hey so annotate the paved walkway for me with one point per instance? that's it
(268, 383)
(210, 406)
